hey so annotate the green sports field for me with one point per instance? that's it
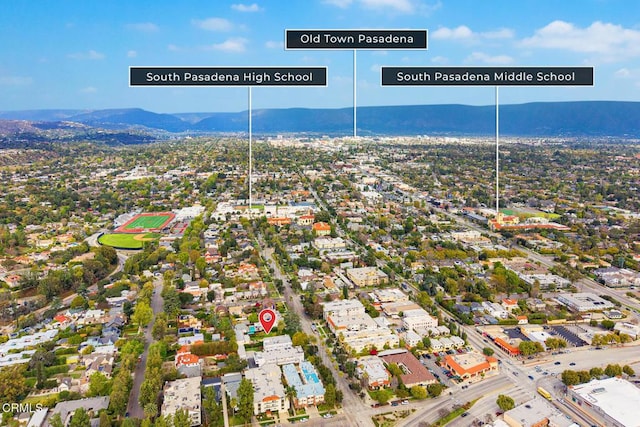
(147, 222)
(127, 240)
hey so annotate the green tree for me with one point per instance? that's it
(181, 418)
(159, 326)
(165, 421)
(105, 421)
(505, 402)
(570, 377)
(99, 385)
(79, 302)
(150, 409)
(245, 400)
(418, 392)
(12, 384)
(596, 372)
(528, 348)
(300, 339)
(330, 395)
(487, 351)
(607, 324)
(56, 420)
(142, 314)
(426, 342)
(382, 396)
(613, 370)
(80, 418)
(212, 409)
(434, 389)
(628, 370)
(119, 397)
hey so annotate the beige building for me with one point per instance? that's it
(367, 276)
(183, 394)
(268, 391)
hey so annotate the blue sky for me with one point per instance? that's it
(75, 53)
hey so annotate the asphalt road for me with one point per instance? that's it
(352, 405)
(133, 408)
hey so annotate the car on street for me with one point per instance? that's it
(531, 377)
(572, 364)
(557, 363)
(464, 414)
(404, 402)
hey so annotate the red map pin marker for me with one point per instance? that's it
(267, 319)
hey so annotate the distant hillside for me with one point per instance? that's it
(130, 117)
(582, 118)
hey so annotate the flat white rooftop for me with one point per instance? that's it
(618, 398)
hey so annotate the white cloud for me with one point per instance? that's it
(132, 54)
(234, 45)
(145, 27)
(440, 60)
(397, 6)
(173, 48)
(444, 33)
(339, 80)
(376, 68)
(246, 7)
(342, 4)
(15, 80)
(403, 6)
(464, 33)
(482, 57)
(502, 33)
(622, 73)
(213, 24)
(611, 42)
(270, 44)
(89, 89)
(91, 55)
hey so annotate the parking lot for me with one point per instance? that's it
(572, 339)
(429, 361)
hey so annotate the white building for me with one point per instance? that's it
(613, 400)
(268, 390)
(345, 307)
(628, 328)
(375, 371)
(183, 394)
(418, 319)
(584, 301)
(278, 350)
(367, 276)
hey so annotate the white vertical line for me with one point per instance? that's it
(250, 154)
(355, 82)
(497, 152)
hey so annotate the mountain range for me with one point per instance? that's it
(549, 119)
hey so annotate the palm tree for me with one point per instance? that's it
(291, 394)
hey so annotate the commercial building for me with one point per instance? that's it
(342, 308)
(414, 373)
(628, 328)
(278, 350)
(471, 365)
(418, 319)
(183, 394)
(534, 413)
(376, 373)
(367, 276)
(613, 400)
(304, 378)
(268, 391)
(584, 301)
